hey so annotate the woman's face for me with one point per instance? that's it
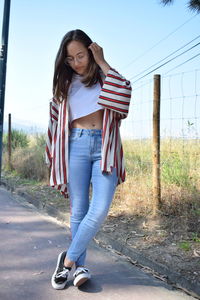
(77, 57)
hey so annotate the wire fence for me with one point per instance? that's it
(179, 145)
(179, 148)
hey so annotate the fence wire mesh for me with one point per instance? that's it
(179, 145)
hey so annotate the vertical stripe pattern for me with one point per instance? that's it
(115, 97)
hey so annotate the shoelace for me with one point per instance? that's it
(79, 270)
(63, 273)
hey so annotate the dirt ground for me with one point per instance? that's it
(163, 240)
(169, 240)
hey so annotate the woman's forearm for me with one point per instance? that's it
(105, 67)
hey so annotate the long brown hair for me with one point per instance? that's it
(63, 73)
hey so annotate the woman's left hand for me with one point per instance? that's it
(97, 52)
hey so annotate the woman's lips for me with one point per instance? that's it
(78, 69)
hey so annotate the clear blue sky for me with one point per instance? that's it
(125, 30)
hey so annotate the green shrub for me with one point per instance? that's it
(28, 155)
(19, 139)
(185, 245)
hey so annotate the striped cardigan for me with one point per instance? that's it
(115, 97)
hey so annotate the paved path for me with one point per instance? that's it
(29, 245)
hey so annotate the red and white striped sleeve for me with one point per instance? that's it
(53, 120)
(116, 93)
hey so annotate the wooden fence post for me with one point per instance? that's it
(156, 145)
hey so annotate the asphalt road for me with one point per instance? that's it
(29, 245)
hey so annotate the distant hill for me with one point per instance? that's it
(25, 126)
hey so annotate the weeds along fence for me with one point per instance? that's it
(23, 154)
(162, 146)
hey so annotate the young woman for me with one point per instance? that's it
(84, 145)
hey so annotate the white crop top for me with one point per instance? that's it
(82, 99)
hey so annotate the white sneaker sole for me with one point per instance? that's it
(80, 279)
(53, 283)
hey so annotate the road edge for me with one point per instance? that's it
(171, 277)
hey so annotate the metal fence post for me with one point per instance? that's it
(9, 142)
(3, 60)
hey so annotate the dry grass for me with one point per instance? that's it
(180, 175)
(180, 178)
(29, 162)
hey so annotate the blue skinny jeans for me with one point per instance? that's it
(84, 168)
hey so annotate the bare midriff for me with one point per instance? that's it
(91, 121)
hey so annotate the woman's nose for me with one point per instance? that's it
(76, 61)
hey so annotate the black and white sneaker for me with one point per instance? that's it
(59, 277)
(81, 275)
